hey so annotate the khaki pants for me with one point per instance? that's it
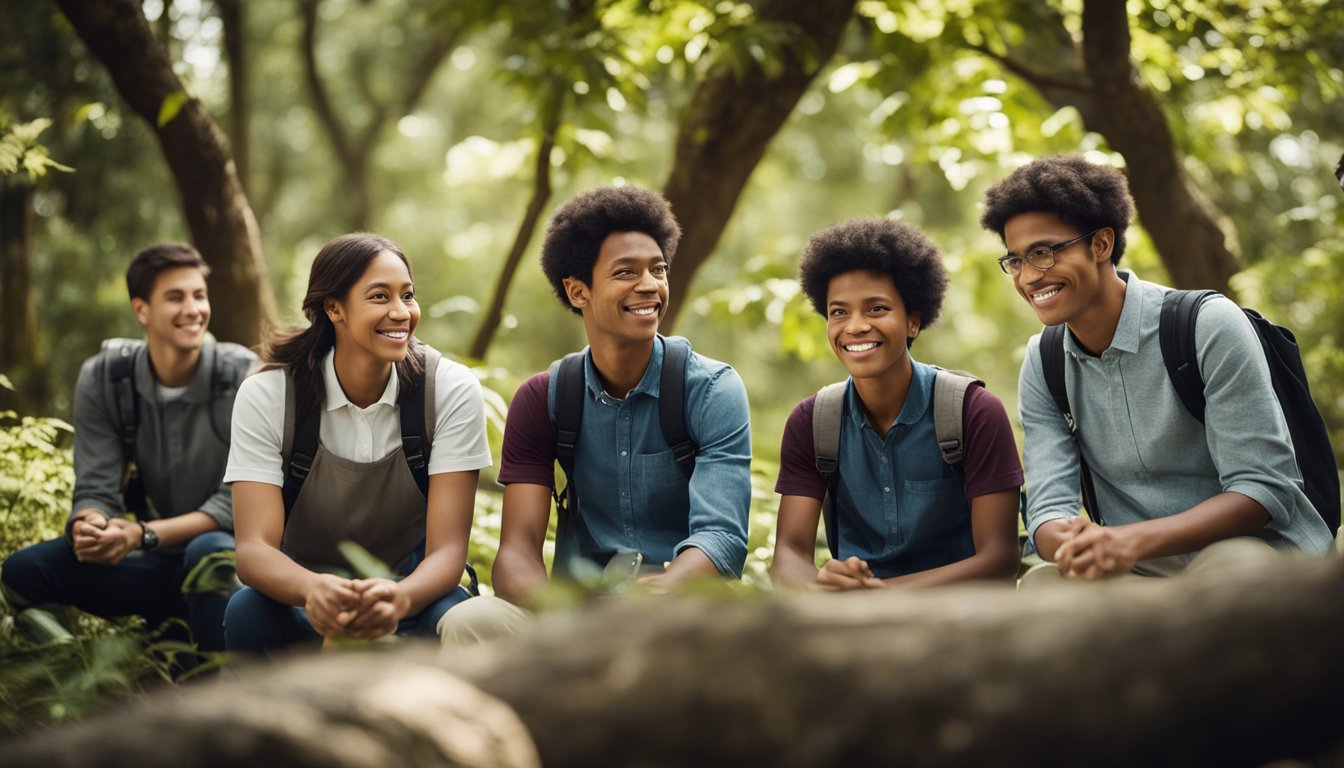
(483, 618)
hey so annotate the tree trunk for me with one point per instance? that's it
(1231, 669)
(728, 126)
(20, 352)
(216, 208)
(1102, 84)
(541, 192)
(354, 153)
(234, 15)
(1182, 223)
(1236, 667)
(335, 711)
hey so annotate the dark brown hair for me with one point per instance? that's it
(149, 262)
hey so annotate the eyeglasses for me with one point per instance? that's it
(1041, 257)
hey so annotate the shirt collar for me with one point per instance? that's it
(1126, 338)
(916, 400)
(648, 385)
(198, 391)
(336, 396)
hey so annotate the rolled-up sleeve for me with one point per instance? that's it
(720, 488)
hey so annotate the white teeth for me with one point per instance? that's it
(398, 335)
(643, 310)
(864, 347)
(1041, 298)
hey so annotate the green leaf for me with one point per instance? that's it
(363, 563)
(172, 104)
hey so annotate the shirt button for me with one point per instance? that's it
(623, 453)
(884, 459)
(887, 489)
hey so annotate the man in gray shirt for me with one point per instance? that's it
(151, 439)
(1167, 485)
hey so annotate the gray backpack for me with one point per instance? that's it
(949, 395)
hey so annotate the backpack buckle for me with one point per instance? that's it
(415, 454)
(827, 465)
(299, 466)
(951, 450)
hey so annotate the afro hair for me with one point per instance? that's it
(884, 246)
(1085, 195)
(579, 227)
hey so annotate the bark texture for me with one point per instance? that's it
(1238, 667)
(221, 222)
(21, 356)
(335, 711)
(729, 125)
(1234, 670)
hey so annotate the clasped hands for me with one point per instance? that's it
(1090, 552)
(103, 540)
(850, 573)
(363, 609)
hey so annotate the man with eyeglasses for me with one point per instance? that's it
(1167, 486)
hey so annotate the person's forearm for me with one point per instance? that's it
(435, 576)
(1049, 536)
(173, 531)
(792, 567)
(1224, 516)
(690, 564)
(273, 573)
(990, 564)
(517, 575)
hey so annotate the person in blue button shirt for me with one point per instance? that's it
(904, 516)
(607, 254)
(1168, 486)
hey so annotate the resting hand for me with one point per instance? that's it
(1093, 552)
(104, 541)
(331, 603)
(382, 603)
(851, 573)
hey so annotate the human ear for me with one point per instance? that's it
(913, 324)
(140, 308)
(1102, 244)
(577, 292)
(333, 309)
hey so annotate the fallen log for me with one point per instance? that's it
(1234, 668)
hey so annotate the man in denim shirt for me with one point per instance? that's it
(607, 254)
(108, 564)
(1168, 486)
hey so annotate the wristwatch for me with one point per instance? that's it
(148, 538)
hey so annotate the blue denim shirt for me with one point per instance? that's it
(634, 497)
(898, 505)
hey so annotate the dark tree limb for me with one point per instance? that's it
(233, 13)
(354, 148)
(728, 126)
(216, 208)
(1182, 223)
(541, 193)
(21, 357)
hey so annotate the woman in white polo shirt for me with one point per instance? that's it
(346, 372)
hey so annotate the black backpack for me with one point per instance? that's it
(949, 396)
(1176, 336)
(569, 397)
(119, 380)
(416, 405)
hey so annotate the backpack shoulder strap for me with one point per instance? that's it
(672, 406)
(568, 417)
(120, 371)
(1176, 335)
(949, 397)
(827, 411)
(411, 404)
(1052, 365)
(231, 364)
(300, 444)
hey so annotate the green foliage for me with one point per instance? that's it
(36, 475)
(172, 104)
(20, 152)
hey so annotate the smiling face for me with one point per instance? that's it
(868, 326)
(1066, 291)
(177, 311)
(628, 296)
(379, 312)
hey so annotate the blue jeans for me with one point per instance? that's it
(147, 584)
(254, 623)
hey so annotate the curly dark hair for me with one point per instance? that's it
(579, 226)
(885, 246)
(1084, 194)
